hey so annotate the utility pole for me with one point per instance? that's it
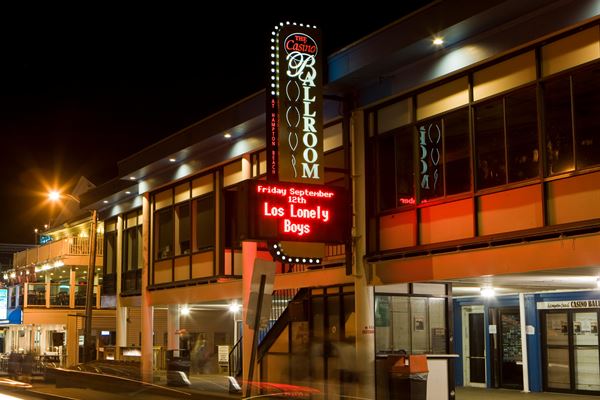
(88, 346)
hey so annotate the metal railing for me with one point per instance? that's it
(70, 246)
(55, 295)
(235, 359)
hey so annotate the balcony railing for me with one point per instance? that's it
(71, 246)
(51, 295)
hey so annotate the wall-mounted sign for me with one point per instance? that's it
(295, 105)
(3, 304)
(558, 305)
(295, 212)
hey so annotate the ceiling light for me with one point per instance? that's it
(487, 291)
(127, 192)
(438, 41)
(234, 307)
(172, 159)
(185, 310)
(132, 178)
(227, 135)
(105, 201)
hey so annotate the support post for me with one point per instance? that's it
(524, 343)
(88, 346)
(261, 292)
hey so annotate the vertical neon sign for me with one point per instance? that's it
(294, 111)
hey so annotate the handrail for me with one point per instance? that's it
(235, 355)
(278, 327)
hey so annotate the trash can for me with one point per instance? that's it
(408, 378)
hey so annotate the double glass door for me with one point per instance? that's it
(571, 351)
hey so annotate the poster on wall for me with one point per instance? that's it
(419, 324)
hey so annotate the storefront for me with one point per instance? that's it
(569, 344)
(562, 341)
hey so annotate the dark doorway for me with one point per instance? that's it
(509, 355)
(476, 348)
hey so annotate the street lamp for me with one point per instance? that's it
(88, 346)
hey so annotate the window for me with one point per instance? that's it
(182, 230)
(489, 136)
(521, 135)
(444, 157)
(386, 172)
(132, 242)
(110, 250)
(204, 222)
(506, 133)
(586, 99)
(416, 325)
(457, 154)
(572, 102)
(163, 243)
(558, 125)
(431, 174)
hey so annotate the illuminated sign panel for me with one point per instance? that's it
(295, 109)
(3, 304)
(296, 212)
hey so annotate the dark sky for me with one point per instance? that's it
(83, 89)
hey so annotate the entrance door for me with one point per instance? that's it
(474, 346)
(510, 356)
(571, 351)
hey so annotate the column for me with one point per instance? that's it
(173, 327)
(524, 343)
(121, 311)
(72, 283)
(248, 257)
(72, 340)
(146, 305)
(47, 293)
(363, 293)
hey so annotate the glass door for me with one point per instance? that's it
(511, 366)
(558, 367)
(585, 341)
(572, 351)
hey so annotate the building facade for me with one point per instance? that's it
(469, 164)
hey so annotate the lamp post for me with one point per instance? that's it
(88, 346)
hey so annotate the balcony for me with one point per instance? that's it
(51, 295)
(71, 251)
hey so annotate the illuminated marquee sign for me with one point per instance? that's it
(295, 212)
(294, 112)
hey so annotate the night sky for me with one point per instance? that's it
(81, 90)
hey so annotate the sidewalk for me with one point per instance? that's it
(464, 393)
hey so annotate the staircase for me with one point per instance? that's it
(279, 306)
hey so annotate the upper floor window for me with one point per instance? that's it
(506, 139)
(110, 247)
(132, 241)
(444, 157)
(572, 127)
